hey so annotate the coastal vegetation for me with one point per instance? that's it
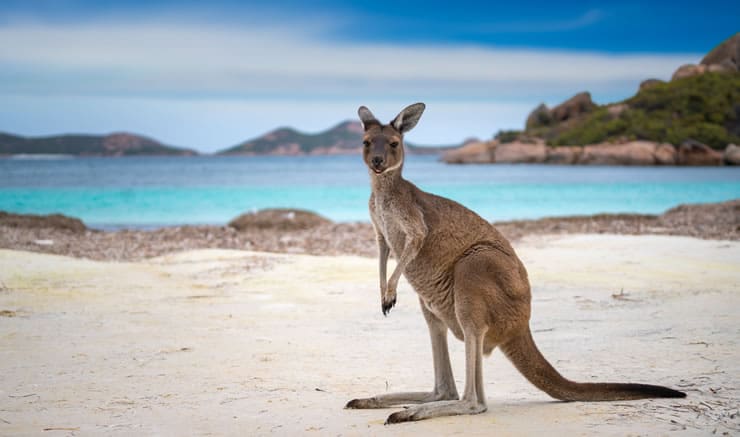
(694, 119)
(703, 108)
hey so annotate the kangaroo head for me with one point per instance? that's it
(383, 143)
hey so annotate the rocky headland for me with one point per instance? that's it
(635, 152)
(692, 120)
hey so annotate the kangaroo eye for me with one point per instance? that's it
(394, 144)
(366, 143)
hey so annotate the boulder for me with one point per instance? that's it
(518, 152)
(278, 219)
(617, 109)
(721, 68)
(564, 154)
(474, 152)
(725, 55)
(631, 153)
(688, 70)
(540, 116)
(649, 83)
(665, 154)
(725, 58)
(695, 153)
(574, 107)
(731, 155)
(51, 221)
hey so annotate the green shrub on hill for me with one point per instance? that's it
(507, 136)
(705, 108)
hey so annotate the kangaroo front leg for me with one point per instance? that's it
(473, 401)
(386, 301)
(415, 235)
(444, 382)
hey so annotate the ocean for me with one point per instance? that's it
(159, 191)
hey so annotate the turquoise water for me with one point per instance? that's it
(157, 191)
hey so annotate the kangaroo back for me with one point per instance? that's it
(525, 356)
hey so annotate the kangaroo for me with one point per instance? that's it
(468, 280)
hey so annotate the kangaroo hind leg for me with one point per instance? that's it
(444, 382)
(473, 400)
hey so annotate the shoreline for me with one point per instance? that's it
(484, 153)
(68, 236)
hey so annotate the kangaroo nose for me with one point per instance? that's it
(377, 161)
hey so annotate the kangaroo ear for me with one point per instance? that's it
(367, 117)
(407, 119)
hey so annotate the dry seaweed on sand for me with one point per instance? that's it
(295, 231)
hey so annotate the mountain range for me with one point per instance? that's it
(342, 139)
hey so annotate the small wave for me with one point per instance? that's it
(41, 156)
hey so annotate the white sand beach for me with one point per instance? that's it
(226, 342)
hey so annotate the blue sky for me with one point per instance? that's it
(208, 75)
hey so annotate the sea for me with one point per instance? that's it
(150, 192)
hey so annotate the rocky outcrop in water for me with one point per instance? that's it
(521, 152)
(690, 153)
(693, 153)
(473, 152)
(732, 155)
(631, 153)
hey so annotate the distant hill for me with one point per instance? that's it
(342, 139)
(116, 144)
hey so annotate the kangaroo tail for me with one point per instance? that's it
(525, 356)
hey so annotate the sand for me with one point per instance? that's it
(226, 342)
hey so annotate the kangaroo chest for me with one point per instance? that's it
(388, 216)
(423, 272)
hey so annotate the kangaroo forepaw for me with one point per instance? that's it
(387, 305)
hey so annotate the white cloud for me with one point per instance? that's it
(181, 57)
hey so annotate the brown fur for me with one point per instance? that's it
(469, 280)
